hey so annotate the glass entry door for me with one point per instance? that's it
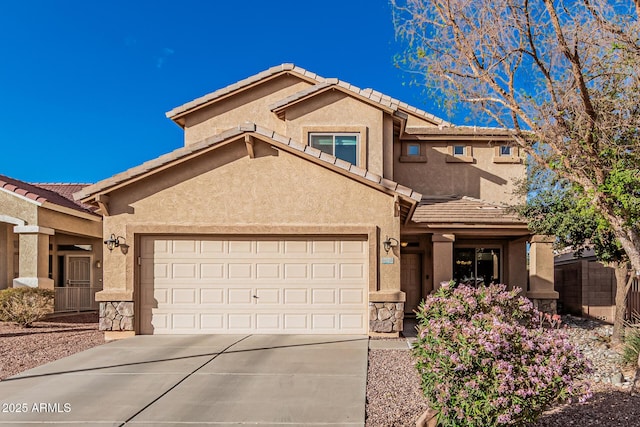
(476, 266)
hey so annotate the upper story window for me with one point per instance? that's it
(413, 152)
(506, 153)
(344, 146)
(413, 149)
(459, 153)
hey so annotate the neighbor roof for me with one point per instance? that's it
(60, 194)
(462, 209)
(277, 140)
(320, 83)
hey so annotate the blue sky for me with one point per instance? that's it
(84, 85)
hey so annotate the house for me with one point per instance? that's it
(587, 287)
(301, 204)
(48, 240)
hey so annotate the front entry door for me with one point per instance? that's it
(410, 281)
(78, 271)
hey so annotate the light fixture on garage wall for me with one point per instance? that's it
(389, 243)
(117, 242)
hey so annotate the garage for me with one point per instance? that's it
(253, 284)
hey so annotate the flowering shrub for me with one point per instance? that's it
(486, 359)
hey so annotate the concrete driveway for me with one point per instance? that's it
(219, 380)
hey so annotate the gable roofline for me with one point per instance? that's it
(51, 196)
(180, 155)
(319, 83)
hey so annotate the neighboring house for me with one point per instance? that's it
(587, 287)
(300, 204)
(48, 240)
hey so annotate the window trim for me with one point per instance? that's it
(359, 131)
(498, 157)
(405, 157)
(467, 157)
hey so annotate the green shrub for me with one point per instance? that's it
(486, 359)
(631, 345)
(25, 305)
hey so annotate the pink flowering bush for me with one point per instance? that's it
(486, 358)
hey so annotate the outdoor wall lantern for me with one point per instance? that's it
(389, 243)
(116, 242)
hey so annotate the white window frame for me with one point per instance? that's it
(334, 135)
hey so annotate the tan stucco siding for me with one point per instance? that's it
(338, 111)
(483, 179)
(69, 224)
(251, 105)
(415, 121)
(274, 191)
(18, 208)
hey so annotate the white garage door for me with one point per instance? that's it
(210, 285)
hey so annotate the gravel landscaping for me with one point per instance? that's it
(394, 397)
(25, 348)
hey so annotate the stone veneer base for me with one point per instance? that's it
(549, 306)
(386, 317)
(116, 316)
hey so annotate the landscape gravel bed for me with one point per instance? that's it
(394, 396)
(25, 348)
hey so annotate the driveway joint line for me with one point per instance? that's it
(182, 380)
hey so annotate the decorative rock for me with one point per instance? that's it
(116, 316)
(386, 317)
(384, 314)
(617, 378)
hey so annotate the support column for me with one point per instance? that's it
(541, 274)
(517, 264)
(34, 257)
(442, 258)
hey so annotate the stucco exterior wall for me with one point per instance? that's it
(482, 179)
(336, 111)
(226, 191)
(250, 105)
(16, 207)
(69, 224)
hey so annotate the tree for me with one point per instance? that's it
(563, 76)
(558, 207)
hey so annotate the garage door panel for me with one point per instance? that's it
(296, 271)
(238, 321)
(239, 296)
(267, 296)
(295, 296)
(184, 271)
(212, 271)
(323, 296)
(184, 296)
(212, 296)
(207, 285)
(323, 271)
(268, 247)
(268, 271)
(351, 296)
(240, 271)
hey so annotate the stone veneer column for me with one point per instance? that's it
(442, 258)
(116, 316)
(34, 257)
(541, 271)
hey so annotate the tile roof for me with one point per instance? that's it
(462, 209)
(321, 83)
(457, 130)
(247, 128)
(60, 194)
